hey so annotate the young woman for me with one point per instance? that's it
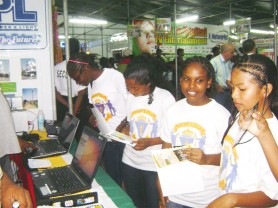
(146, 103)
(198, 122)
(246, 179)
(106, 92)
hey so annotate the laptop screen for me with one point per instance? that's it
(88, 153)
(68, 129)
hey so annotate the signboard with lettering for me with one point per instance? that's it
(22, 24)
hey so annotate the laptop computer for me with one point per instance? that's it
(52, 127)
(109, 133)
(77, 176)
(59, 145)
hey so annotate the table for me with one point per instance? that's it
(118, 196)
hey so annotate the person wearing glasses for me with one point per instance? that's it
(246, 177)
(107, 92)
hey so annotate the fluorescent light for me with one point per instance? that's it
(229, 22)
(88, 21)
(266, 32)
(62, 37)
(233, 37)
(187, 19)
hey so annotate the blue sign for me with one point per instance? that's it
(17, 7)
(23, 24)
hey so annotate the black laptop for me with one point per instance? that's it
(75, 177)
(59, 145)
(52, 127)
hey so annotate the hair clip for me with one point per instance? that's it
(78, 62)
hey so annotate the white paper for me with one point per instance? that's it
(179, 177)
(38, 163)
(67, 158)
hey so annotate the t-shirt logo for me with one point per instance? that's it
(104, 105)
(188, 134)
(143, 124)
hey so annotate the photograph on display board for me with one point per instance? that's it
(163, 25)
(146, 42)
(28, 68)
(4, 70)
(30, 98)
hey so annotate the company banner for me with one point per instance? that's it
(22, 24)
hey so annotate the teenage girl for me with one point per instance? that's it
(197, 122)
(106, 92)
(146, 103)
(246, 179)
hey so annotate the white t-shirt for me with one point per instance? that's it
(199, 127)
(244, 169)
(1, 175)
(108, 93)
(61, 84)
(8, 137)
(145, 122)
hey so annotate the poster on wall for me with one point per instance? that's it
(145, 42)
(195, 39)
(4, 70)
(22, 24)
(163, 25)
(26, 55)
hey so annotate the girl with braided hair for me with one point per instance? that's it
(249, 155)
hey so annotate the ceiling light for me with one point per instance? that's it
(266, 32)
(87, 21)
(233, 37)
(62, 37)
(187, 19)
(229, 22)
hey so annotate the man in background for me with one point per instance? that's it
(61, 89)
(249, 47)
(223, 66)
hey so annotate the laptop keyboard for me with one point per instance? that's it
(50, 146)
(64, 179)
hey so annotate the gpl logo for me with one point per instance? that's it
(17, 7)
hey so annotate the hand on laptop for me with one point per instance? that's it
(25, 145)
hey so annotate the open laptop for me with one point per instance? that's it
(109, 133)
(77, 176)
(52, 127)
(59, 145)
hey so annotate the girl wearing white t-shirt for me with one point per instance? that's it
(197, 122)
(246, 179)
(146, 104)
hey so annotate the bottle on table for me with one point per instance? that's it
(40, 118)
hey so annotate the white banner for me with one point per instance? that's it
(23, 24)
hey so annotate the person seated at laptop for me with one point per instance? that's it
(10, 142)
(10, 193)
(106, 92)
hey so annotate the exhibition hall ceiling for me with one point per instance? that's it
(119, 13)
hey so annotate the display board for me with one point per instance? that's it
(26, 55)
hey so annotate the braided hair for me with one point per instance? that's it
(77, 61)
(207, 66)
(264, 72)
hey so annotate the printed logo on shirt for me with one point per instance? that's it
(62, 74)
(188, 134)
(104, 105)
(228, 167)
(143, 124)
